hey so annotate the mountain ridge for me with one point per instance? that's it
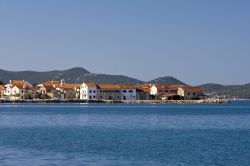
(78, 75)
(231, 91)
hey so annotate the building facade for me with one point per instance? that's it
(19, 89)
(88, 91)
(128, 92)
(190, 93)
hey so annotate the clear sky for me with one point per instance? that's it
(196, 41)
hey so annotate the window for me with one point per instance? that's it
(90, 91)
(130, 91)
(124, 91)
(93, 91)
(94, 96)
(188, 94)
(193, 94)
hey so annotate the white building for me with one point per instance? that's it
(158, 89)
(88, 91)
(128, 92)
(190, 93)
(18, 89)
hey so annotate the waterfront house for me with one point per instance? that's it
(88, 91)
(54, 93)
(19, 89)
(158, 89)
(44, 89)
(49, 90)
(190, 93)
(128, 92)
(171, 93)
(93, 91)
(174, 88)
(59, 90)
(69, 91)
(109, 92)
(143, 92)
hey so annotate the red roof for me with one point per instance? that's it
(21, 84)
(109, 86)
(1, 87)
(91, 84)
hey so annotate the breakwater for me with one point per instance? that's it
(205, 101)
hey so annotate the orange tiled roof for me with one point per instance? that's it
(143, 88)
(109, 86)
(91, 84)
(70, 86)
(127, 86)
(52, 83)
(49, 87)
(21, 84)
(1, 87)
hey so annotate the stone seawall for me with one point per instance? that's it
(206, 101)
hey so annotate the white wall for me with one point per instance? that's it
(130, 94)
(153, 90)
(88, 93)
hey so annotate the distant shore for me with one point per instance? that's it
(205, 101)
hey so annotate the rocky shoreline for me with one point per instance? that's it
(206, 101)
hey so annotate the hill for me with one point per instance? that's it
(78, 75)
(74, 75)
(168, 80)
(240, 91)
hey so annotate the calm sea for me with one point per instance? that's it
(80, 134)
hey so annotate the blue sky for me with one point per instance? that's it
(195, 41)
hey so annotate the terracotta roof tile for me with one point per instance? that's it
(21, 84)
(127, 86)
(91, 84)
(52, 83)
(1, 87)
(69, 86)
(109, 86)
(192, 89)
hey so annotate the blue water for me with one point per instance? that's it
(79, 134)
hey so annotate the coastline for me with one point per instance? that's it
(204, 101)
